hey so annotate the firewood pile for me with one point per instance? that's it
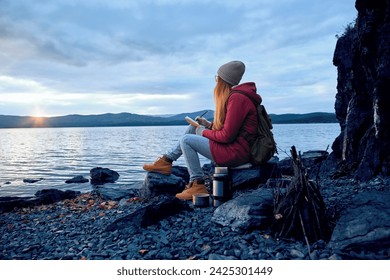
(300, 212)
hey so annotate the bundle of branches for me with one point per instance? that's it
(300, 211)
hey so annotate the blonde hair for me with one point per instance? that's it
(221, 95)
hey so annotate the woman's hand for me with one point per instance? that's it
(203, 121)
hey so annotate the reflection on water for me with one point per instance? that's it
(58, 154)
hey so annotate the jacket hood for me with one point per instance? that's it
(249, 89)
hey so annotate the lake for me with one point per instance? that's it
(58, 154)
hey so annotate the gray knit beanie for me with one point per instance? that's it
(232, 72)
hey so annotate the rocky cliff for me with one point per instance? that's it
(362, 58)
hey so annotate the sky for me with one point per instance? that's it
(60, 57)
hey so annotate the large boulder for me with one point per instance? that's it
(79, 179)
(249, 177)
(117, 192)
(148, 215)
(250, 210)
(253, 176)
(48, 196)
(365, 224)
(156, 184)
(42, 197)
(100, 176)
(181, 171)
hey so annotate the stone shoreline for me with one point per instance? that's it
(76, 229)
(90, 227)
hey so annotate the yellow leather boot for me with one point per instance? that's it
(162, 165)
(197, 186)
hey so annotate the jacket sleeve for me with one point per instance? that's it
(237, 110)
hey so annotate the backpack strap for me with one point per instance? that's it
(266, 116)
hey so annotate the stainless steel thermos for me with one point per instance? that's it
(221, 186)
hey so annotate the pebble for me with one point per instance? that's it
(296, 254)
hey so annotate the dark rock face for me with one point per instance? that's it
(365, 224)
(100, 176)
(362, 57)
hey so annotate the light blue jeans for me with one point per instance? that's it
(190, 146)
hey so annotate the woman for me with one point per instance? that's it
(226, 141)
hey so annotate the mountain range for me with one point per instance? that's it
(129, 119)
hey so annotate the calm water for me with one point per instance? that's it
(58, 154)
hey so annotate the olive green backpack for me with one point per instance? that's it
(263, 147)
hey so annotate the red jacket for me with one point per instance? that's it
(228, 146)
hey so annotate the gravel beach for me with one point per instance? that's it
(76, 229)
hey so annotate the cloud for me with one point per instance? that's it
(166, 48)
(13, 85)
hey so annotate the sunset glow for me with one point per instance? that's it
(38, 121)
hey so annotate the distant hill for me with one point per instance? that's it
(129, 119)
(304, 118)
